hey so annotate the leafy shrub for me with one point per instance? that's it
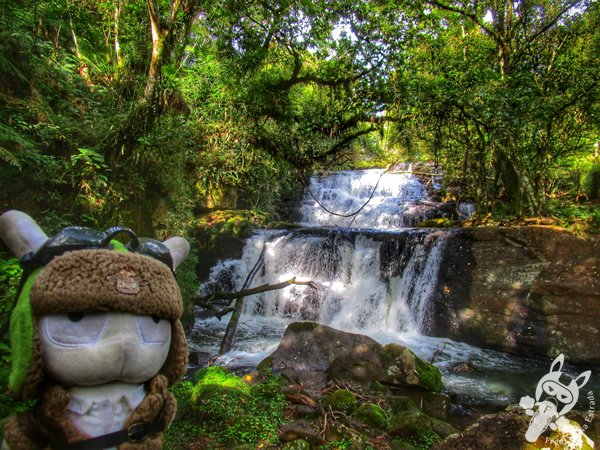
(223, 408)
(236, 223)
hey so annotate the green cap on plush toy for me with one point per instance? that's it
(82, 270)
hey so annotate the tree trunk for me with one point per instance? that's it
(156, 56)
(595, 183)
(227, 341)
(117, 46)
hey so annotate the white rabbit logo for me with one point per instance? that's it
(550, 395)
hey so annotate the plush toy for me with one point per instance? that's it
(95, 337)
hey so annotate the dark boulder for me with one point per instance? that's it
(311, 354)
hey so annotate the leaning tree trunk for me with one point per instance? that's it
(164, 33)
(227, 341)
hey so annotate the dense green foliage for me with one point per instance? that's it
(221, 410)
(231, 104)
(224, 410)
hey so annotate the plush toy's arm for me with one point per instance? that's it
(179, 249)
(19, 432)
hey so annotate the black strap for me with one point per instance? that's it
(135, 433)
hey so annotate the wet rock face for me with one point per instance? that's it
(311, 354)
(533, 291)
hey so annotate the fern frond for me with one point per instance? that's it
(11, 159)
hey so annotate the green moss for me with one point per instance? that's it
(442, 222)
(298, 444)
(341, 400)
(430, 376)
(414, 428)
(223, 409)
(377, 388)
(400, 404)
(217, 375)
(412, 369)
(371, 415)
(265, 365)
(404, 444)
(569, 435)
(236, 223)
(443, 429)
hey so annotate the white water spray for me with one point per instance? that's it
(367, 282)
(391, 200)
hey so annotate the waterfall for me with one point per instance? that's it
(375, 278)
(367, 281)
(393, 200)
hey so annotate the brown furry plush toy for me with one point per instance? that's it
(95, 337)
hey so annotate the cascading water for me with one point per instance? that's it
(365, 281)
(375, 278)
(391, 200)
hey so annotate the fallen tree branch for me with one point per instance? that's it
(207, 299)
(227, 341)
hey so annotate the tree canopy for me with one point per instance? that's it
(147, 111)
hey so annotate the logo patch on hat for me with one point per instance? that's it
(127, 281)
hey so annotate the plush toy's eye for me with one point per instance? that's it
(74, 330)
(154, 330)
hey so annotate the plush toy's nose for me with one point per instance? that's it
(93, 349)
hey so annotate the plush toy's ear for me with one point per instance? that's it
(21, 233)
(179, 249)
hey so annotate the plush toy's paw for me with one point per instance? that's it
(527, 403)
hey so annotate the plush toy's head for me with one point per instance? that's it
(91, 310)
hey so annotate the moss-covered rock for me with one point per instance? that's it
(443, 429)
(399, 404)
(435, 404)
(371, 415)
(415, 428)
(569, 434)
(441, 222)
(378, 388)
(307, 351)
(311, 354)
(223, 408)
(404, 368)
(298, 444)
(341, 400)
